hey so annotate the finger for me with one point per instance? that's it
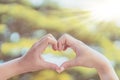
(41, 45)
(61, 43)
(65, 47)
(48, 35)
(59, 46)
(67, 65)
(54, 47)
(52, 37)
(42, 39)
(52, 41)
(47, 41)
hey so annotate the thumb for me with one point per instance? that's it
(66, 65)
(45, 42)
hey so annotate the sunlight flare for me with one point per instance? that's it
(109, 10)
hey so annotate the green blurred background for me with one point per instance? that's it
(95, 22)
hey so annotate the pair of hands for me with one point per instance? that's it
(85, 56)
(33, 61)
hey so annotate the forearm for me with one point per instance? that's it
(107, 72)
(104, 67)
(10, 69)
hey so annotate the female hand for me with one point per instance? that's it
(31, 61)
(86, 57)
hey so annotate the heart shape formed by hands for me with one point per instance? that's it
(63, 43)
(58, 57)
(83, 53)
(85, 56)
(35, 53)
(33, 60)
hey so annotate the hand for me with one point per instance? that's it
(33, 61)
(86, 57)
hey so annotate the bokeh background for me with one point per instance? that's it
(95, 22)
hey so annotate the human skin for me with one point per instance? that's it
(86, 57)
(31, 61)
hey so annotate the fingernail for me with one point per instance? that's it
(62, 69)
(58, 71)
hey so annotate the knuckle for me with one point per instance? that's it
(47, 38)
(49, 34)
(65, 34)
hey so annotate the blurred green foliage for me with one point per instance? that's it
(21, 20)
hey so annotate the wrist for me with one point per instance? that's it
(106, 72)
(10, 69)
